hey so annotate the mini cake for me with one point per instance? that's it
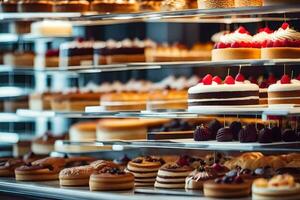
(246, 3)
(235, 46)
(289, 135)
(196, 179)
(211, 92)
(13, 104)
(285, 91)
(227, 187)
(278, 187)
(75, 176)
(264, 34)
(44, 145)
(265, 136)
(9, 6)
(105, 6)
(235, 128)
(209, 4)
(40, 170)
(202, 133)
(71, 6)
(111, 179)
(224, 135)
(121, 129)
(35, 6)
(144, 170)
(49, 59)
(51, 28)
(19, 59)
(283, 44)
(172, 176)
(76, 53)
(7, 167)
(248, 134)
(83, 131)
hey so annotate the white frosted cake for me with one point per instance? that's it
(52, 28)
(213, 92)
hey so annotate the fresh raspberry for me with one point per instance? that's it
(240, 77)
(207, 80)
(221, 45)
(261, 30)
(229, 80)
(242, 30)
(272, 79)
(217, 80)
(235, 45)
(268, 30)
(285, 25)
(264, 44)
(270, 43)
(285, 79)
(264, 84)
(278, 43)
(253, 80)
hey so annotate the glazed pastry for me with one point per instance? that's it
(248, 134)
(265, 136)
(172, 176)
(144, 170)
(196, 179)
(213, 127)
(276, 134)
(202, 133)
(111, 179)
(7, 167)
(278, 187)
(235, 128)
(224, 135)
(227, 187)
(289, 135)
(40, 170)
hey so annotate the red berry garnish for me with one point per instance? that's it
(272, 79)
(242, 30)
(264, 84)
(80, 39)
(235, 45)
(298, 77)
(264, 44)
(229, 80)
(270, 43)
(279, 43)
(221, 45)
(207, 80)
(217, 80)
(285, 79)
(200, 80)
(268, 30)
(261, 30)
(285, 25)
(253, 80)
(240, 77)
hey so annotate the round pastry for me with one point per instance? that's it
(110, 179)
(35, 6)
(236, 45)
(227, 187)
(83, 131)
(285, 91)
(172, 176)
(246, 3)
(278, 187)
(44, 145)
(100, 164)
(289, 135)
(121, 129)
(40, 170)
(213, 127)
(9, 6)
(276, 133)
(224, 135)
(144, 170)
(235, 128)
(209, 4)
(202, 133)
(196, 179)
(7, 167)
(265, 136)
(248, 134)
(71, 6)
(75, 176)
(283, 44)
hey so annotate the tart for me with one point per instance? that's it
(111, 179)
(227, 187)
(235, 46)
(144, 169)
(71, 6)
(278, 187)
(284, 44)
(172, 176)
(35, 6)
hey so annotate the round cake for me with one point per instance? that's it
(282, 44)
(71, 6)
(235, 46)
(209, 4)
(212, 92)
(285, 91)
(83, 131)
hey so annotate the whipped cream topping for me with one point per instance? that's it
(294, 85)
(236, 36)
(285, 34)
(262, 36)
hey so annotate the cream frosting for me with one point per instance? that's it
(236, 36)
(262, 36)
(294, 85)
(285, 34)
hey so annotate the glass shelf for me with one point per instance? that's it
(11, 38)
(108, 18)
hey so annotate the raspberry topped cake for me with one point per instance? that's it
(212, 91)
(284, 44)
(236, 45)
(285, 91)
(260, 39)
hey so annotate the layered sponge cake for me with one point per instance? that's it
(144, 170)
(285, 91)
(233, 92)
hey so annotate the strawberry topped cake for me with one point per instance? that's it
(260, 39)
(283, 43)
(236, 45)
(285, 91)
(212, 91)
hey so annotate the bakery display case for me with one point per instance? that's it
(149, 99)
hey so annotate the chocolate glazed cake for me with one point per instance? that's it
(35, 6)
(8, 6)
(71, 6)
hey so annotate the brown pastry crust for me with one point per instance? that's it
(235, 54)
(280, 53)
(75, 176)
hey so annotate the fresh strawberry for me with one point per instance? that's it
(270, 43)
(268, 30)
(235, 45)
(285, 25)
(221, 45)
(285, 79)
(240, 77)
(242, 30)
(207, 80)
(279, 43)
(217, 80)
(229, 80)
